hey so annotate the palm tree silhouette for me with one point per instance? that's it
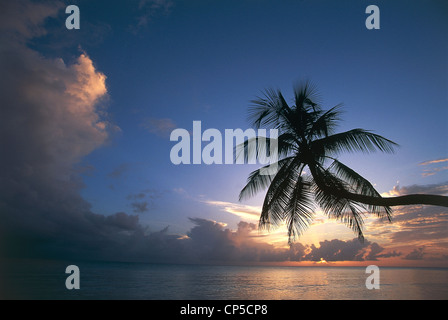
(306, 139)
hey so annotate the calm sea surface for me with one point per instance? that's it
(46, 280)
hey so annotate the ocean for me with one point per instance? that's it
(40, 279)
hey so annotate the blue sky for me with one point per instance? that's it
(169, 63)
(205, 61)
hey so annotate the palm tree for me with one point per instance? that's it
(306, 140)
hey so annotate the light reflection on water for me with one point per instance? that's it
(46, 280)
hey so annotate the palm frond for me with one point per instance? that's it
(359, 185)
(278, 195)
(356, 182)
(306, 96)
(353, 141)
(326, 123)
(258, 181)
(269, 110)
(335, 205)
(353, 219)
(300, 210)
(258, 147)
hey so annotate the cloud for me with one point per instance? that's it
(215, 243)
(390, 254)
(136, 196)
(414, 225)
(53, 114)
(418, 225)
(121, 220)
(140, 207)
(143, 201)
(250, 213)
(119, 171)
(437, 189)
(432, 170)
(21, 20)
(161, 127)
(339, 250)
(416, 254)
(211, 242)
(433, 161)
(148, 9)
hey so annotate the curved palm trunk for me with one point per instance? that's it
(409, 199)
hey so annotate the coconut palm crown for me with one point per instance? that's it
(309, 174)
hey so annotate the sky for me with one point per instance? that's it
(86, 118)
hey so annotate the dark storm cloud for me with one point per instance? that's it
(51, 116)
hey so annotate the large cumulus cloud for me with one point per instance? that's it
(51, 115)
